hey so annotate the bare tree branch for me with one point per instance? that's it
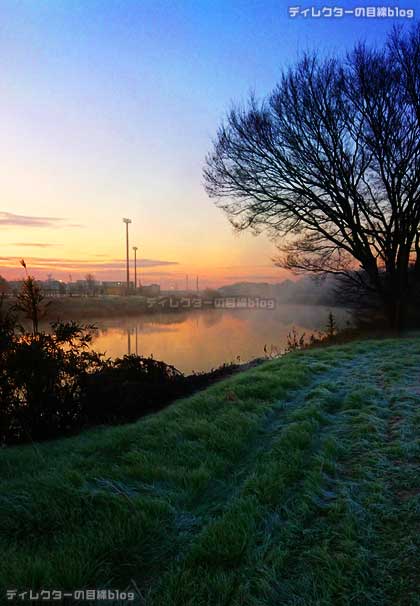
(329, 164)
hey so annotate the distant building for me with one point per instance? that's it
(78, 287)
(149, 290)
(113, 287)
(53, 287)
(84, 288)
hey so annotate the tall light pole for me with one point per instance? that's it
(135, 248)
(127, 221)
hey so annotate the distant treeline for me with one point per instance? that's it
(305, 291)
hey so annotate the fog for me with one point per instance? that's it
(201, 340)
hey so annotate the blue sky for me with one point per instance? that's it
(109, 107)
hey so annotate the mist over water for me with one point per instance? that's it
(201, 340)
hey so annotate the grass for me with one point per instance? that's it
(295, 483)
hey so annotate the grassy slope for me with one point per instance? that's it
(295, 483)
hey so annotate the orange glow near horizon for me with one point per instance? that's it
(68, 251)
(168, 276)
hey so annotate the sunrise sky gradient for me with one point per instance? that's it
(108, 108)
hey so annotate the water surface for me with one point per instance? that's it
(201, 340)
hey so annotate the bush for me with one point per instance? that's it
(126, 388)
(53, 384)
(41, 379)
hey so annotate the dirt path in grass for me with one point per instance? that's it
(327, 511)
(277, 418)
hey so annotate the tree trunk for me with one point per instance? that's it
(395, 313)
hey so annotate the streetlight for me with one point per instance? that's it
(127, 221)
(135, 248)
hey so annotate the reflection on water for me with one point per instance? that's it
(205, 339)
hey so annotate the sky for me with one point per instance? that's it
(108, 108)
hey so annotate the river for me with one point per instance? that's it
(201, 340)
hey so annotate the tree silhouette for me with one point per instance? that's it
(4, 285)
(329, 163)
(90, 284)
(29, 300)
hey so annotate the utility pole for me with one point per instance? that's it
(139, 270)
(135, 248)
(197, 284)
(127, 221)
(186, 282)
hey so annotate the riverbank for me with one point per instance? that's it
(112, 306)
(106, 306)
(295, 482)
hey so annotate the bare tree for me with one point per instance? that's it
(90, 284)
(4, 286)
(30, 300)
(330, 163)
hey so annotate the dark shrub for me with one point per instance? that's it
(53, 384)
(128, 387)
(41, 380)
